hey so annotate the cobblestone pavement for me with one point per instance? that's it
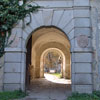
(49, 88)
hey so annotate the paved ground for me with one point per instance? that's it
(49, 88)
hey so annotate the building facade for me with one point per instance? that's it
(72, 27)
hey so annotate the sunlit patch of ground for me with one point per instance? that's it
(49, 88)
(55, 79)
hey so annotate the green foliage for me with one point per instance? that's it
(10, 13)
(52, 59)
(97, 93)
(12, 95)
(94, 96)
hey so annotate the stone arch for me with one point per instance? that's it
(53, 28)
(63, 62)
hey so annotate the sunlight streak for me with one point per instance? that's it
(55, 79)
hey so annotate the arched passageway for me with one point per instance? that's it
(56, 59)
(44, 41)
(52, 59)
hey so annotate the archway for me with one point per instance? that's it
(44, 40)
(56, 61)
(65, 72)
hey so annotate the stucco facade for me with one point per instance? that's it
(78, 22)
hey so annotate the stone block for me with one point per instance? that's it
(69, 27)
(65, 18)
(81, 3)
(23, 77)
(19, 45)
(17, 31)
(73, 88)
(13, 57)
(82, 31)
(47, 16)
(83, 79)
(82, 57)
(23, 87)
(14, 38)
(23, 58)
(82, 22)
(12, 67)
(73, 68)
(83, 88)
(39, 17)
(25, 34)
(83, 68)
(54, 3)
(81, 13)
(71, 35)
(12, 78)
(1, 72)
(24, 43)
(23, 72)
(73, 79)
(11, 87)
(72, 42)
(57, 16)
(8, 50)
(34, 25)
(84, 50)
(1, 61)
(1, 78)
(27, 30)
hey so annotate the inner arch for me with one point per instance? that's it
(43, 58)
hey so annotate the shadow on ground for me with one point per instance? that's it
(49, 88)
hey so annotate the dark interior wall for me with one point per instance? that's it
(28, 60)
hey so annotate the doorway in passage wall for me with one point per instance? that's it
(48, 64)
